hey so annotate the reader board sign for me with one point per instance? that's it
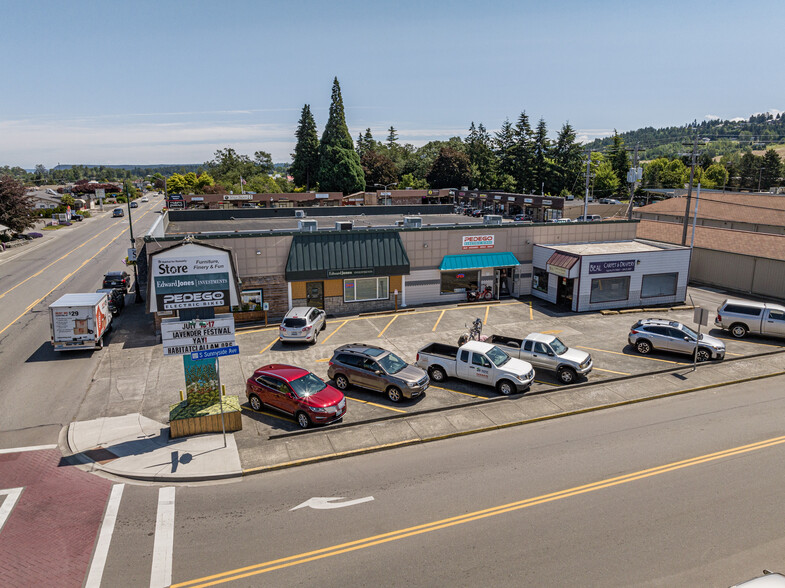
(187, 337)
(192, 276)
(609, 267)
(477, 242)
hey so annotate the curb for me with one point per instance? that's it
(378, 448)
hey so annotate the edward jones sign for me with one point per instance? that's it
(478, 242)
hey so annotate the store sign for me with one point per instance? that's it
(176, 204)
(609, 267)
(197, 198)
(528, 200)
(547, 201)
(175, 197)
(510, 198)
(322, 195)
(477, 242)
(350, 273)
(238, 196)
(497, 197)
(185, 337)
(558, 271)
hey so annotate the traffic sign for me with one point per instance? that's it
(212, 353)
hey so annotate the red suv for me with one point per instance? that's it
(295, 391)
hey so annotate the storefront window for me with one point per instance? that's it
(456, 282)
(540, 280)
(359, 289)
(659, 285)
(250, 300)
(610, 289)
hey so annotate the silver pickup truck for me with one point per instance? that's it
(740, 317)
(546, 352)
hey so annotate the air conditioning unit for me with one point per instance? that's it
(492, 219)
(299, 214)
(344, 225)
(412, 222)
(308, 225)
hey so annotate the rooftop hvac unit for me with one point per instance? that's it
(307, 225)
(299, 214)
(343, 225)
(412, 222)
(492, 219)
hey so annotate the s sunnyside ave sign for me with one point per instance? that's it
(191, 276)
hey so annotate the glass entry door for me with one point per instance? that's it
(314, 292)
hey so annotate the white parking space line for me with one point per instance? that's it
(104, 538)
(11, 496)
(29, 448)
(161, 572)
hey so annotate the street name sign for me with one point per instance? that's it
(213, 353)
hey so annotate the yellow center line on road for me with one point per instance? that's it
(455, 391)
(39, 272)
(327, 338)
(374, 404)
(638, 356)
(392, 320)
(612, 372)
(399, 534)
(269, 345)
(61, 282)
(485, 320)
(438, 320)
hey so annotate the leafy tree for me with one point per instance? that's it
(619, 159)
(409, 181)
(606, 182)
(339, 165)
(175, 184)
(228, 166)
(673, 173)
(717, 175)
(378, 168)
(203, 181)
(450, 169)
(190, 182)
(481, 158)
(264, 162)
(16, 208)
(67, 200)
(652, 172)
(305, 159)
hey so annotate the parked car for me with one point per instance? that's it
(116, 299)
(588, 218)
(297, 392)
(118, 212)
(546, 352)
(302, 324)
(740, 317)
(476, 362)
(522, 218)
(133, 204)
(77, 217)
(664, 335)
(374, 368)
(145, 199)
(119, 280)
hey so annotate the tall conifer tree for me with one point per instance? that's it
(305, 159)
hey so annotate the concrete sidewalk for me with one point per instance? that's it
(136, 447)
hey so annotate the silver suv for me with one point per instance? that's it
(665, 335)
(374, 368)
(302, 324)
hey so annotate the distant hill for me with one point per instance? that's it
(131, 167)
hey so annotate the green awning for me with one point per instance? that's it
(346, 254)
(477, 261)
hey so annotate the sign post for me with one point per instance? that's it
(702, 318)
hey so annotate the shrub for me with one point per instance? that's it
(85, 213)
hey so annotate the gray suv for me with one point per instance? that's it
(664, 335)
(374, 368)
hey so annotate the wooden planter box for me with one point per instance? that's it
(205, 424)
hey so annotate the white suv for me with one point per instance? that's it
(302, 323)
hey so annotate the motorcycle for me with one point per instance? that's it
(475, 295)
(474, 333)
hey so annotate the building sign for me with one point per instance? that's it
(558, 271)
(528, 200)
(176, 204)
(608, 267)
(197, 198)
(385, 193)
(547, 201)
(497, 197)
(322, 195)
(175, 197)
(192, 276)
(185, 337)
(350, 273)
(238, 196)
(510, 198)
(477, 242)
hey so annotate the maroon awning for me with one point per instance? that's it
(562, 260)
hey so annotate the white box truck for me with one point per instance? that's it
(79, 321)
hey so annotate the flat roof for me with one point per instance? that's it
(607, 248)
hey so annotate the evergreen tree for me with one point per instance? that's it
(339, 163)
(522, 152)
(305, 159)
(567, 160)
(392, 136)
(481, 158)
(619, 159)
(771, 169)
(451, 169)
(503, 143)
(539, 154)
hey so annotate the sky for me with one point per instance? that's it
(141, 82)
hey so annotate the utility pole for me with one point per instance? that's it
(137, 292)
(633, 179)
(586, 195)
(693, 160)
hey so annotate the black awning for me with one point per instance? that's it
(348, 254)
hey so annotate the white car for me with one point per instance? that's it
(145, 199)
(302, 324)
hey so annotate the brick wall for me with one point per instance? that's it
(274, 291)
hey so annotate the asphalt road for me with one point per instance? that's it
(678, 492)
(40, 389)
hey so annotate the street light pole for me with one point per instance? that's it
(137, 291)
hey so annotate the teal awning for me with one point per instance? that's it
(477, 261)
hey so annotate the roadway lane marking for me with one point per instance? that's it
(554, 332)
(11, 496)
(747, 341)
(39, 272)
(327, 338)
(612, 372)
(29, 448)
(547, 383)
(104, 538)
(531, 312)
(270, 345)
(161, 571)
(322, 360)
(485, 320)
(374, 404)
(342, 548)
(438, 320)
(392, 320)
(638, 356)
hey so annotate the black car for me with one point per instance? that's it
(116, 299)
(120, 280)
(134, 204)
(77, 217)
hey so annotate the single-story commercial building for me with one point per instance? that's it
(616, 274)
(537, 208)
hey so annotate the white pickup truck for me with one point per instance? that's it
(476, 362)
(547, 352)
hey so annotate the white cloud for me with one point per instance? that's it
(712, 117)
(588, 135)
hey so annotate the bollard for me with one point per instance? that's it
(181, 396)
